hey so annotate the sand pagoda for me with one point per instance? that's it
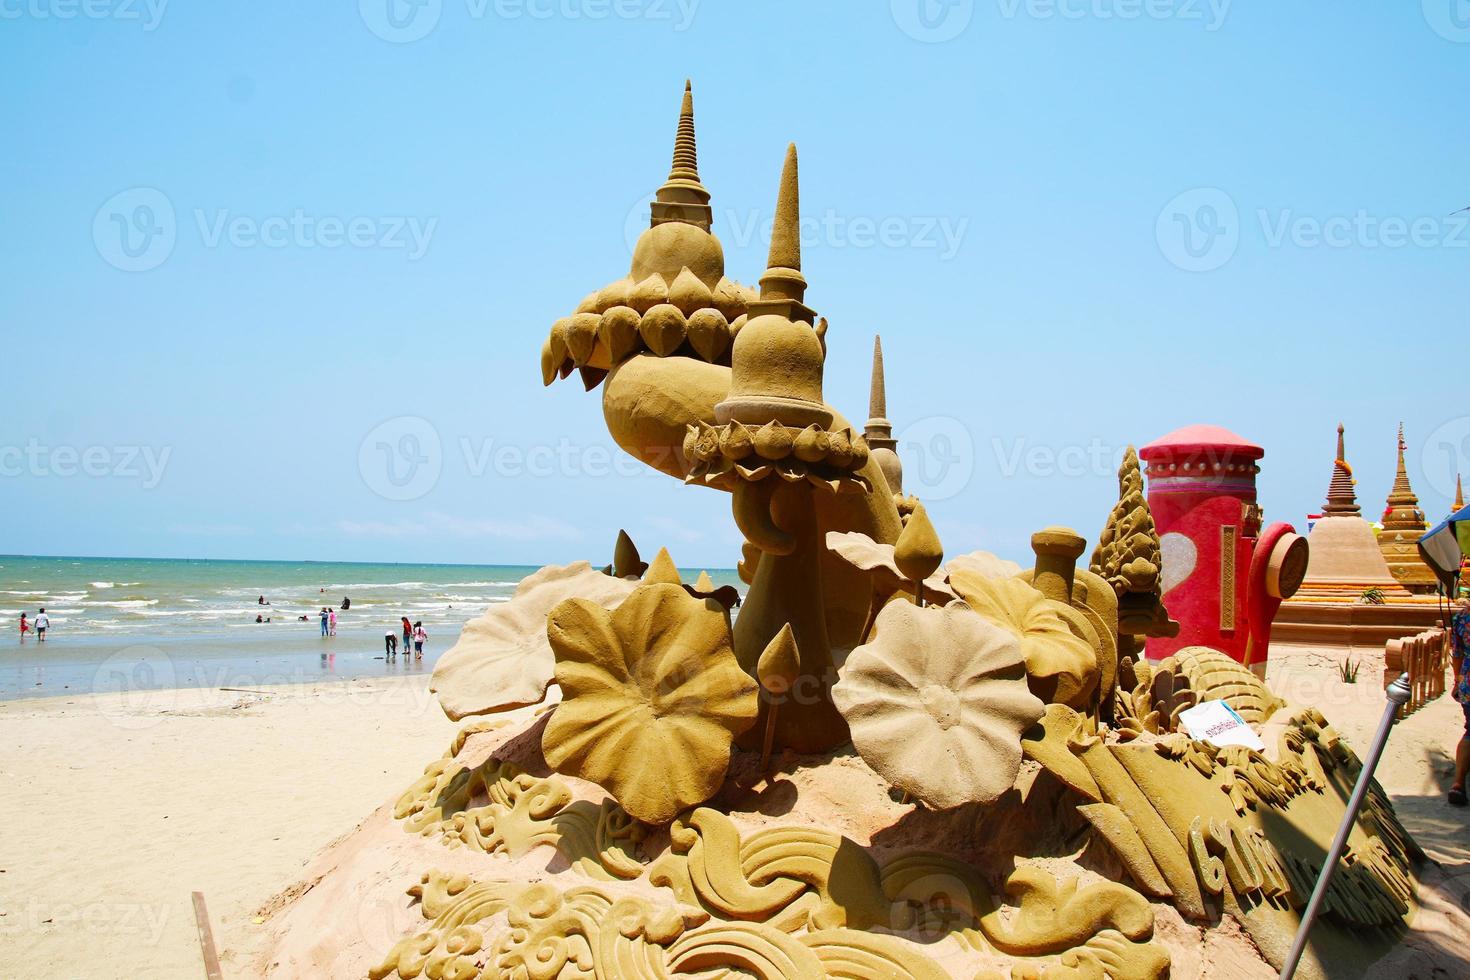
(878, 433)
(1350, 596)
(1403, 525)
(883, 765)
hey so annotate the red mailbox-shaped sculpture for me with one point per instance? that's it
(1223, 578)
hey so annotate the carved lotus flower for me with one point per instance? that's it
(503, 659)
(1062, 667)
(652, 698)
(937, 702)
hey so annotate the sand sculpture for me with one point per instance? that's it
(1403, 526)
(1349, 596)
(887, 767)
(1224, 575)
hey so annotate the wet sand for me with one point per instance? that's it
(259, 656)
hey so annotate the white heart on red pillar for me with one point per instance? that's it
(1179, 556)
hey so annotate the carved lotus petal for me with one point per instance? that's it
(652, 698)
(709, 334)
(503, 659)
(729, 299)
(649, 293)
(618, 331)
(614, 294)
(582, 336)
(867, 555)
(773, 441)
(1062, 666)
(688, 293)
(937, 702)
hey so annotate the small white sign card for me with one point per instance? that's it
(1217, 723)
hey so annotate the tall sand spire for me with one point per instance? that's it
(1342, 500)
(877, 396)
(683, 197)
(786, 229)
(783, 287)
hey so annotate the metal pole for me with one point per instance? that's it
(1398, 696)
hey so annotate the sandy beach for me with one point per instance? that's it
(117, 808)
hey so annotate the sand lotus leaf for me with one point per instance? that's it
(503, 659)
(652, 698)
(982, 562)
(937, 702)
(1061, 665)
(867, 555)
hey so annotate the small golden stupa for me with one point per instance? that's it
(1403, 525)
(1349, 596)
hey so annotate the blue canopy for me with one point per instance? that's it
(1445, 545)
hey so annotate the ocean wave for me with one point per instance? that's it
(478, 585)
(40, 594)
(120, 603)
(102, 585)
(381, 585)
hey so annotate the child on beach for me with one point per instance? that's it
(25, 627)
(419, 636)
(390, 645)
(332, 622)
(43, 623)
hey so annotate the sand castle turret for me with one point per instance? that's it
(1403, 525)
(879, 431)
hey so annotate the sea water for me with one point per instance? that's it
(131, 623)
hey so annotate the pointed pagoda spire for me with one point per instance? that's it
(1402, 512)
(683, 197)
(1459, 496)
(686, 153)
(1402, 493)
(783, 287)
(879, 431)
(877, 396)
(786, 229)
(1342, 501)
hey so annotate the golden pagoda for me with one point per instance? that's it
(1403, 525)
(1349, 597)
(1345, 560)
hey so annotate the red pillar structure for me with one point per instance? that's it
(1223, 579)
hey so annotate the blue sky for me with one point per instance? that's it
(1076, 223)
